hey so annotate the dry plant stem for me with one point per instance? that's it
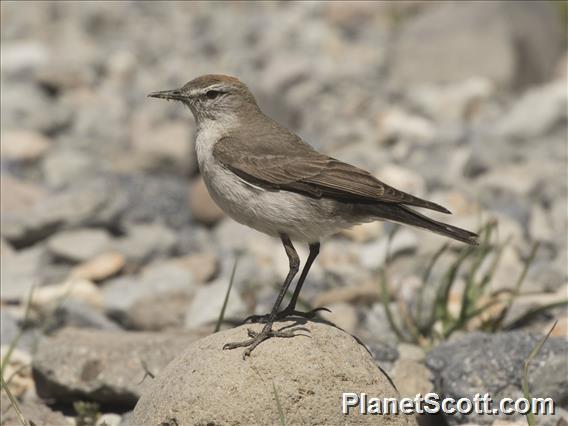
(222, 313)
(525, 380)
(14, 403)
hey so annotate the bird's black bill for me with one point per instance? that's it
(167, 94)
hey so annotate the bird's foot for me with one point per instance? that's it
(288, 312)
(265, 334)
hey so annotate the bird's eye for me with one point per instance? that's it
(212, 94)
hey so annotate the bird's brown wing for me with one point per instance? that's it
(302, 169)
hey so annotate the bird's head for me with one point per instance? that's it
(212, 96)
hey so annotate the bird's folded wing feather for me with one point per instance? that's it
(302, 169)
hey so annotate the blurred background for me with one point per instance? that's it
(104, 213)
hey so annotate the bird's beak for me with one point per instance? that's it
(168, 94)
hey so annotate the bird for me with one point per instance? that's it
(266, 177)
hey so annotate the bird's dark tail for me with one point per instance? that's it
(405, 215)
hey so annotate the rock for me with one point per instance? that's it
(78, 289)
(17, 195)
(457, 41)
(78, 314)
(93, 203)
(452, 102)
(154, 198)
(374, 254)
(364, 233)
(65, 167)
(207, 385)
(203, 209)
(539, 225)
(403, 179)
(411, 378)
(109, 419)
(79, 245)
(18, 368)
(144, 242)
(121, 294)
(20, 273)
(343, 315)
(23, 56)
(34, 411)
(203, 266)
(100, 267)
(23, 146)
(6, 250)
(396, 125)
(208, 301)
(366, 291)
(411, 352)
(461, 369)
(163, 147)
(162, 312)
(102, 366)
(536, 113)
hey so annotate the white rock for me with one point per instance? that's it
(537, 112)
(79, 289)
(396, 124)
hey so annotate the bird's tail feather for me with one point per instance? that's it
(405, 215)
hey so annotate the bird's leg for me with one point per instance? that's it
(290, 310)
(267, 332)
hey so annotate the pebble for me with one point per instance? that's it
(342, 315)
(79, 245)
(100, 267)
(203, 209)
(23, 146)
(77, 289)
(144, 242)
(207, 303)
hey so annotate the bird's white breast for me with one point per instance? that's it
(270, 212)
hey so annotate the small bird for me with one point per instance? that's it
(265, 177)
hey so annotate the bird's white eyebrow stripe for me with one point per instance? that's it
(218, 86)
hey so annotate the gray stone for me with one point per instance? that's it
(456, 41)
(208, 301)
(94, 203)
(373, 255)
(65, 167)
(18, 195)
(163, 311)
(144, 242)
(79, 245)
(74, 313)
(485, 363)
(20, 272)
(208, 385)
(157, 197)
(102, 366)
(122, 293)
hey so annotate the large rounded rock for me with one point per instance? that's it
(209, 385)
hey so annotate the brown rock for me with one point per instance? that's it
(23, 145)
(203, 208)
(100, 268)
(208, 385)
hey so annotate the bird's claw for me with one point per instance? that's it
(256, 338)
